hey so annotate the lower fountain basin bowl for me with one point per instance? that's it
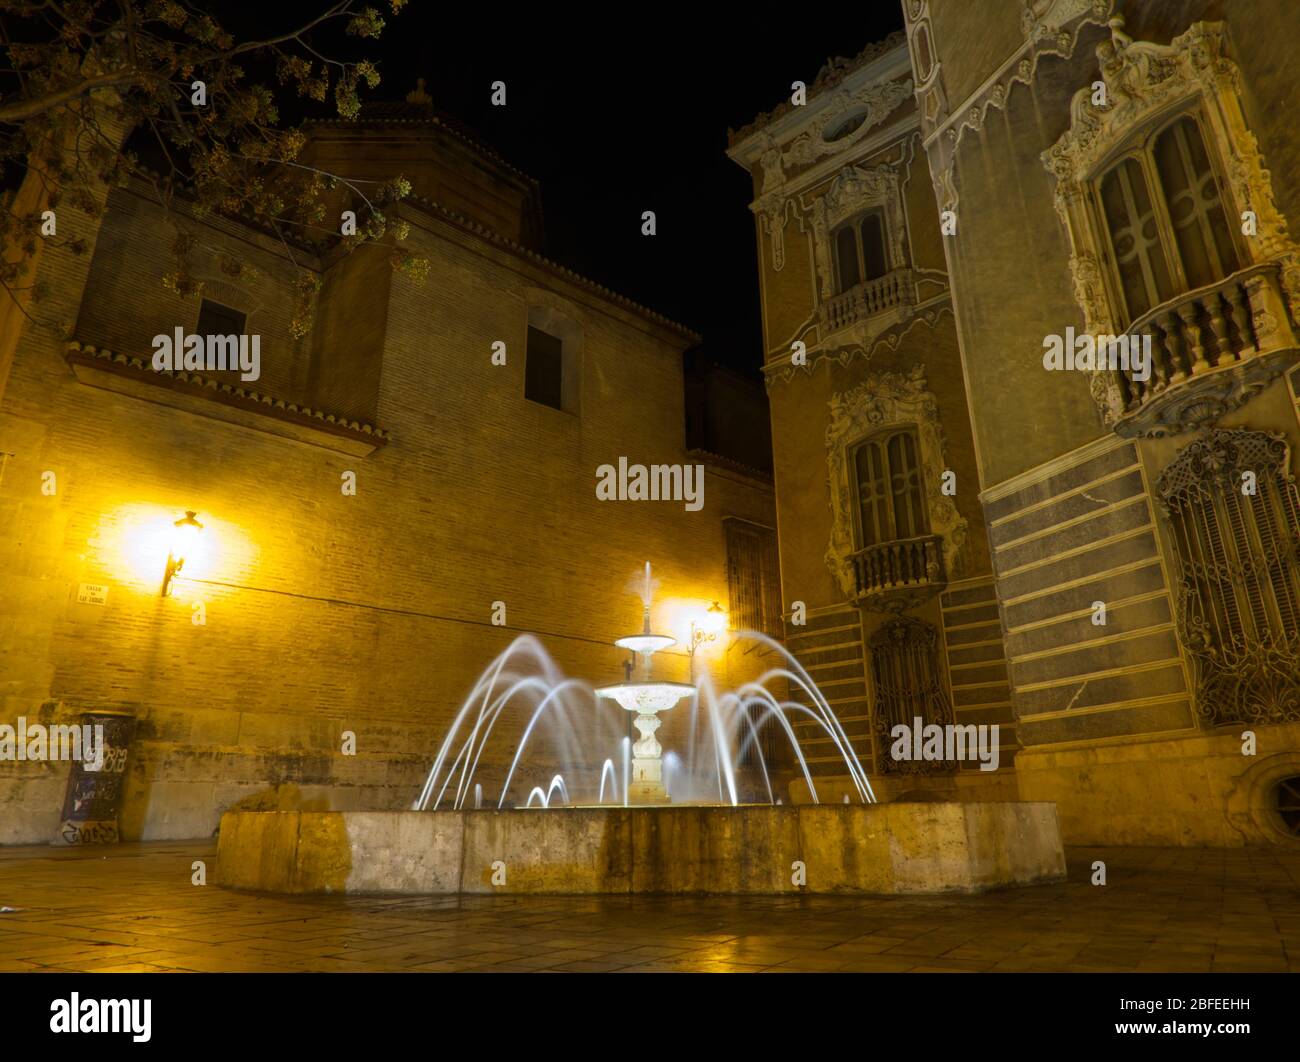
(757, 849)
(646, 698)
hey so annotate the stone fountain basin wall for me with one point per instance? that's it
(844, 849)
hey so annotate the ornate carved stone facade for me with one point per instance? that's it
(856, 113)
(886, 400)
(855, 189)
(829, 77)
(862, 341)
(1147, 83)
(1048, 18)
(865, 356)
(868, 107)
(1071, 513)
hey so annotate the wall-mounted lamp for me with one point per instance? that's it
(185, 540)
(708, 629)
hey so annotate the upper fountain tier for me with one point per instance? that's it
(646, 642)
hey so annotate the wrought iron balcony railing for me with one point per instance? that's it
(896, 576)
(1212, 349)
(868, 299)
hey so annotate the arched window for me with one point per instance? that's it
(1165, 217)
(1234, 517)
(860, 250)
(891, 501)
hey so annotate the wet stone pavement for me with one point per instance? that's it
(133, 907)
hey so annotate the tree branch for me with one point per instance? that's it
(21, 110)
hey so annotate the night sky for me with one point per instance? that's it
(623, 110)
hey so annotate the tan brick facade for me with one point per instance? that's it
(325, 612)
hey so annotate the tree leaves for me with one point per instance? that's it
(76, 78)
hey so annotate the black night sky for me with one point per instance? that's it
(621, 109)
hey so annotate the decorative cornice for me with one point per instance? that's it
(870, 105)
(831, 74)
(741, 468)
(1048, 38)
(142, 371)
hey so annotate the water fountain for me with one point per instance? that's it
(561, 822)
(647, 699)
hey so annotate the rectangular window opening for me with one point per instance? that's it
(544, 369)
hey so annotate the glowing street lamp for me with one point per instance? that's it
(184, 544)
(708, 629)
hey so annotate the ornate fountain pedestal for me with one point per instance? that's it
(647, 699)
(647, 783)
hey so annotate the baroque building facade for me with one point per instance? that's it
(882, 551)
(1114, 577)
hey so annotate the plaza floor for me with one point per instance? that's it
(134, 908)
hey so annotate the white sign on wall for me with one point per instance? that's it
(92, 594)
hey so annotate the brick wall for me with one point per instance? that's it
(325, 612)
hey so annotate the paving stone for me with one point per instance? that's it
(1165, 910)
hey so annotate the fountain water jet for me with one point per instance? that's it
(553, 839)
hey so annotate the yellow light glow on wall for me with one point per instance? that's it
(134, 542)
(186, 544)
(714, 620)
(679, 616)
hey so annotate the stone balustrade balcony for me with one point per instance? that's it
(1212, 349)
(891, 291)
(896, 576)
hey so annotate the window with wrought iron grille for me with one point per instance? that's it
(891, 498)
(754, 591)
(753, 578)
(906, 686)
(1165, 216)
(1234, 521)
(860, 253)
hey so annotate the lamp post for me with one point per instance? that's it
(185, 538)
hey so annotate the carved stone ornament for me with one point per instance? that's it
(1046, 18)
(882, 401)
(855, 189)
(874, 103)
(774, 211)
(868, 106)
(1145, 83)
(835, 71)
(861, 346)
